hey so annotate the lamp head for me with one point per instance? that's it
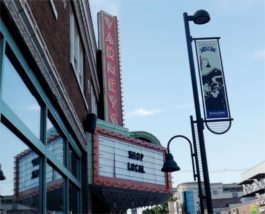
(201, 17)
(170, 165)
(208, 65)
(2, 177)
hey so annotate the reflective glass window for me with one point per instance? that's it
(19, 188)
(74, 162)
(73, 198)
(55, 190)
(76, 52)
(55, 142)
(18, 97)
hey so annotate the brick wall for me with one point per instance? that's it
(56, 34)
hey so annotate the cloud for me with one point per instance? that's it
(140, 112)
(185, 106)
(260, 54)
(234, 6)
(110, 6)
(33, 107)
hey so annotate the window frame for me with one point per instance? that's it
(16, 126)
(54, 10)
(93, 98)
(76, 52)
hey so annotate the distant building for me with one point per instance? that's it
(222, 196)
(253, 181)
(253, 198)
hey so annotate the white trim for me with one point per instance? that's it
(76, 53)
(71, 38)
(93, 99)
(55, 13)
(90, 47)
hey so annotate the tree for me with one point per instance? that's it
(159, 209)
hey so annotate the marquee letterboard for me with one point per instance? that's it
(120, 159)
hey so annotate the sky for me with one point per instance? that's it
(156, 82)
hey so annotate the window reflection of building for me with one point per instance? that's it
(32, 156)
(27, 170)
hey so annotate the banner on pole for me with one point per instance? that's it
(213, 87)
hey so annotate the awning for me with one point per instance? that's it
(249, 181)
(258, 176)
(122, 199)
(252, 194)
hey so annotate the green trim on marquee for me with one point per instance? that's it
(145, 136)
(89, 148)
(112, 127)
(142, 135)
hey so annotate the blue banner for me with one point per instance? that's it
(212, 79)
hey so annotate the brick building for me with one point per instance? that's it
(63, 145)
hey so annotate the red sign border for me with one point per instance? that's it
(123, 183)
(102, 45)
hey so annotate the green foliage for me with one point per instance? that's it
(160, 209)
(157, 210)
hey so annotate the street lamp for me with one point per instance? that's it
(200, 17)
(2, 176)
(170, 164)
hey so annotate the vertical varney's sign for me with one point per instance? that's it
(212, 79)
(109, 45)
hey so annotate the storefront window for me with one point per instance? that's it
(23, 107)
(55, 185)
(18, 97)
(73, 198)
(19, 191)
(74, 162)
(55, 142)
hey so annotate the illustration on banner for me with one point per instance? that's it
(212, 79)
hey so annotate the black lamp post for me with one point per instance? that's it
(170, 165)
(200, 17)
(2, 176)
